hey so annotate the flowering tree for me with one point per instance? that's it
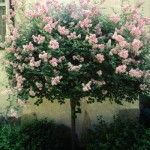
(75, 51)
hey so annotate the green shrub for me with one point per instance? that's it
(10, 138)
(43, 135)
(118, 135)
(40, 135)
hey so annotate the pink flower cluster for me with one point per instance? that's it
(136, 73)
(44, 56)
(15, 33)
(92, 38)
(48, 28)
(100, 58)
(74, 15)
(117, 37)
(73, 35)
(136, 31)
(114, 18)
(63, 30)
(99, 73)
(143, 87)
(136, 44)
(79, 58)
(13, 2)
(13, 113)
(86, 23)
(86, 87)
(88, 13)
(74, 67)
(31, 92)
(121, 69)
(100, 46)
(54, 62)
(50, 25)
(20, 81)
(53, 44)
(21, 68)
(39, 85)
(56, 80)
(29, 47)
(34, 63)
(38, 39)
(123, 53)
(99, 83)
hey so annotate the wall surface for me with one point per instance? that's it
(61, 113)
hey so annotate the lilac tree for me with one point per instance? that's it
(74, 51)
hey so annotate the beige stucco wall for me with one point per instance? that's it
(61, 113)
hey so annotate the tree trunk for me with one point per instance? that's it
(73, 125)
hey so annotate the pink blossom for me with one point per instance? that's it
(62, 30)
(15, 33)
(123, 44)
(78, 57)
(13, 2)
(114, 18)
(136, 44)
(121, 69)
(29, 47)
(13, 113)
(118, 38)
(12, 13)
(38, 39)
(54, 62)
(39, 85)
(37, 63)
(32, 14)
(21, 68)
(85, 23)
(73, 35)
(74, 15)
(136, 31)
(56, 80)
(44, 56)
(143, 87)
(136, 73)
(92, 38)
(48, 28)
(99, 83)
(100, 46)
(53, 44)
(86, 87)
(123, 53)
(99, 72)
(34, 63)
(87, 12)
(72, 6)
(61, 58)
(127, 9)
(74, 67)
(20, 81)
(31, 92)
(100, 58)
(47, 19)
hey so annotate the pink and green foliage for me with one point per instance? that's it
(75, 51)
